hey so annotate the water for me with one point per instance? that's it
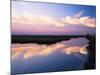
(62, 56)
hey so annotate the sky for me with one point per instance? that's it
(34, 18)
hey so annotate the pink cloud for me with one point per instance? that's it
(30, 20)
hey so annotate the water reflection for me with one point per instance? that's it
(68, 47)
(62, 56)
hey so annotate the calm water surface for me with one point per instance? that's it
(62, 56)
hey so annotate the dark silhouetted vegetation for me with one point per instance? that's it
(42, 39)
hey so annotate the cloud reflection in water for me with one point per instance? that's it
(72, 46)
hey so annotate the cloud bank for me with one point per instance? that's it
(77, 19)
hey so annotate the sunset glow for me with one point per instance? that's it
(52, 37)
(39, 19)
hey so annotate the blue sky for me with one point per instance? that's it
(24, 13)
(57, 10)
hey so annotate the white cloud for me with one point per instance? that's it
(79, 14)
(29, 19)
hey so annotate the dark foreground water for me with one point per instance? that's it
(66, 55)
